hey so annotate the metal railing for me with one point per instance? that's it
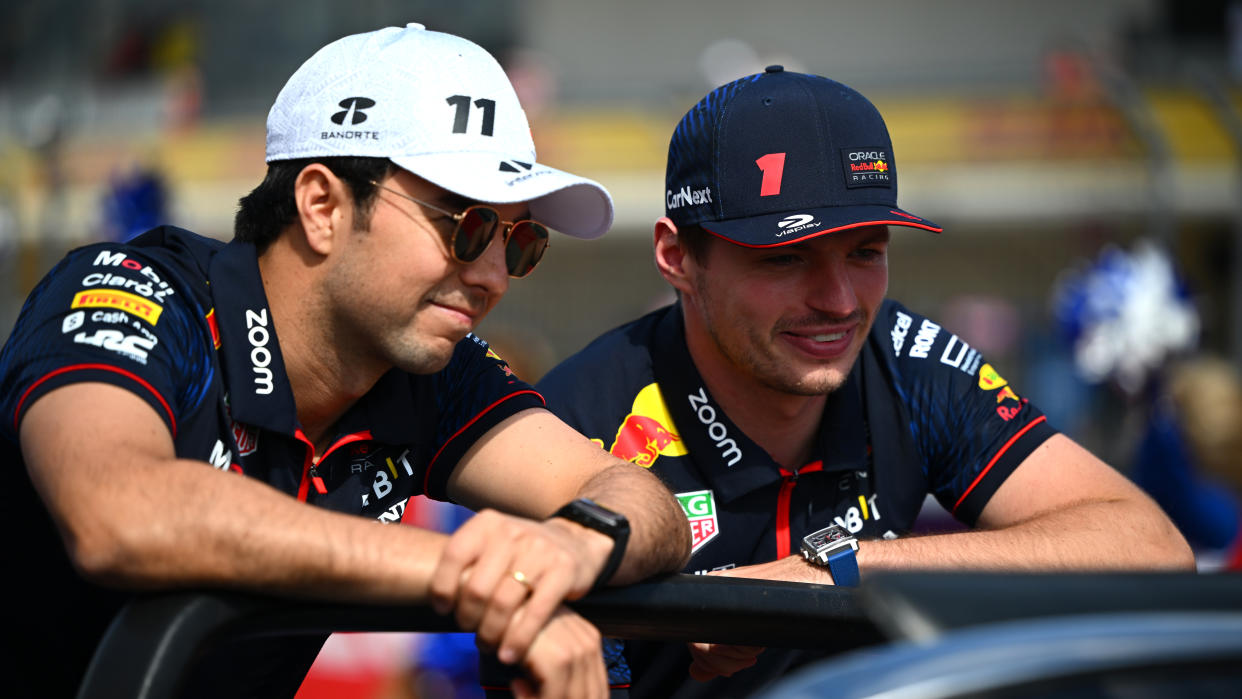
(154, 640)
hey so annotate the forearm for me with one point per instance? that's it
(1085, 536)
(200, 527)
(1091, 535)
(659, 532)
(497, 472)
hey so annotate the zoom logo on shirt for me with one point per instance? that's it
(716, 430)
(260, 355)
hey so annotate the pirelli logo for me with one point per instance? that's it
(120, 300)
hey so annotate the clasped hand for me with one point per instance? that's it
(505, 579)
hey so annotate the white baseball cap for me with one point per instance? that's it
(436, 105)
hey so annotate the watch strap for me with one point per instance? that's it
(612, 524)
(843, 565)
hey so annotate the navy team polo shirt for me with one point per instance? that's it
(921, 412)
(182, 321)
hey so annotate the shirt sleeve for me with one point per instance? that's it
(105, 315)
(474, 393)
(972, 427)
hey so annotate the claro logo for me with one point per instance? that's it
(715, 430)
(260, 356)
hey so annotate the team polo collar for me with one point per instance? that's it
(728, 459)
(259, 391)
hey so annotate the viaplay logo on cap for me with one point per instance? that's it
(866, 167)
(795, 223)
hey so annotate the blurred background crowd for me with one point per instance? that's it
(1083, 158)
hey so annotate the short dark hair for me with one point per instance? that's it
(694, 240)
(270, 207)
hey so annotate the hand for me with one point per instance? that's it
(477, 578)
(564, 661)
(719, 660)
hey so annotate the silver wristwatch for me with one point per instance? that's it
(834, 548)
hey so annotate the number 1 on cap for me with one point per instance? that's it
(773, 167)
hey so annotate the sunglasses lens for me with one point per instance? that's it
(526, 244)
(474, 232)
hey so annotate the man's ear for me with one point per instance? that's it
(671, 257)
(324, 206)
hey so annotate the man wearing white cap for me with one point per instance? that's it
(178, 402)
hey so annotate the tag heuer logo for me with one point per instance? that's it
(700, 509)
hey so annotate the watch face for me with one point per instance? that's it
(826, 536)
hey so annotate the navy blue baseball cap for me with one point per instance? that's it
(780, 157)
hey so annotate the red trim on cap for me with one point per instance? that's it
(102, 367)
(791, 241)
(432, 463)
(996, 458)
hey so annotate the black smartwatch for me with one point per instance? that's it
(834, 548)
(593, 515)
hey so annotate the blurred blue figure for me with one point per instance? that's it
(134, 203)
(1165, 466)
(1125, 316)
(1128, 317)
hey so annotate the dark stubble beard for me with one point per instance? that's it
(748, 356)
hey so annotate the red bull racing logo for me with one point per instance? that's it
(700, 509)
(989, 380)
(873, 166)
(648, 431)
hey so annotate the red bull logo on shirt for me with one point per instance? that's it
(700, 509)
(504, 366)
(648, 431)
(989, 380)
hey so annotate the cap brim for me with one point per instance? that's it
(767, 230)
(573, 205)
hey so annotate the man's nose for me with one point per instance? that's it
(830, 288)
(489, 270)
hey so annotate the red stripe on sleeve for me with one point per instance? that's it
(102, 367)
(427, 477)
(996, 458)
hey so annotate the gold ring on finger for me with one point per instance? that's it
(521, 577)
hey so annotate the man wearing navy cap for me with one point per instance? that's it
(243, 415)
(800, 417)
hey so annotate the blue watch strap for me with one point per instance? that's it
(844, 567)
